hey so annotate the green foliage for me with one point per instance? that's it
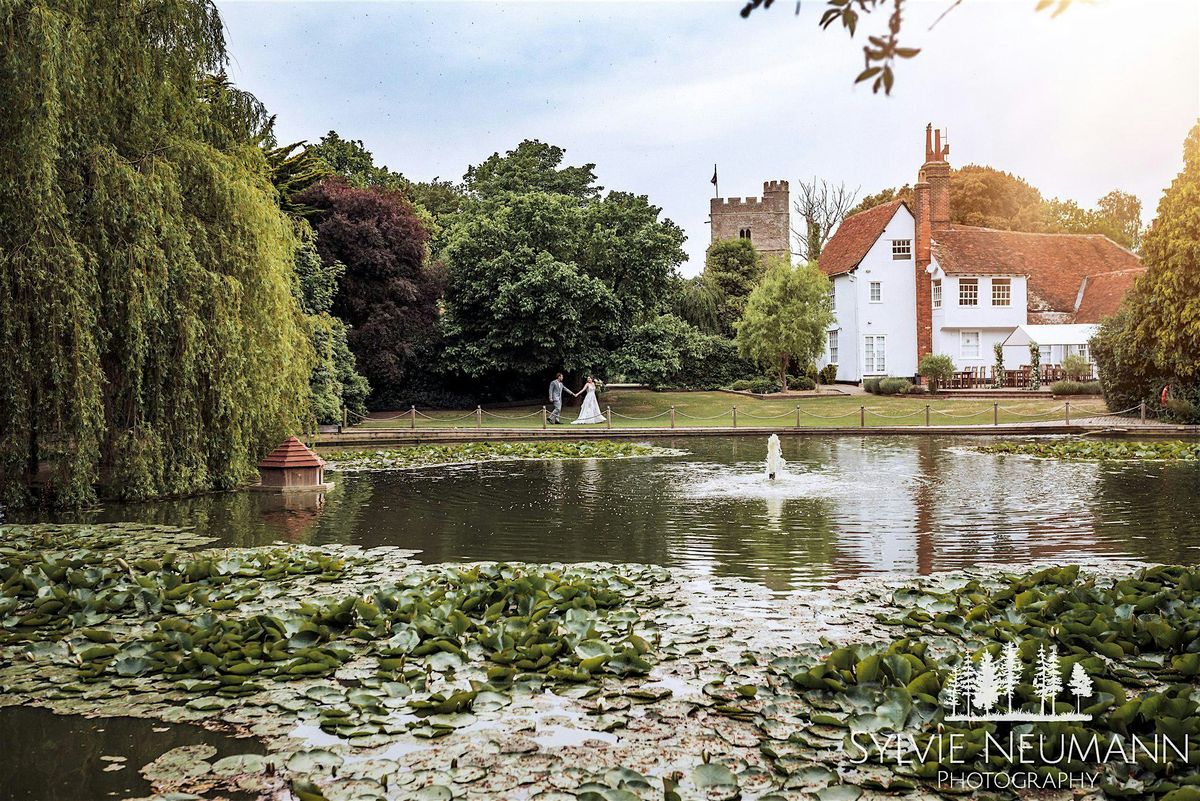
(894, 386)
(699, 303)
(652, 354)
(1076, 367)
(759, 385)
(472, 452)
(936, 368)
(153, 340)
(532, 166)
(828, 374)
(991, 198)
(1076, 388)
(1035, 366)
(335, 382)
(998, 365)
(732, 268)
(1174, 450)
(350, 159)
(803, 383)
(546, 280)
(871, 385)
(1154, 339)
(786, 318)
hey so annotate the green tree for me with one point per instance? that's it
(937, 368)
(982, 196)
(732, 268)
(350, 159)
(698, 303)
(786, 318)
(546, 274)
(1156, 339)
(532, 166)
(153, 340)
(1120, 218)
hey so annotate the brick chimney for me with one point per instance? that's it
(931, 210)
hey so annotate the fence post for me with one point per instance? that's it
(672, 415)
(862, 416)
(479, 417)
(412, 417)
(797, 415)
(735, 416)
(1142, 411)
(608, 417)
(346, 418)
(543, 417)
(995, 414)
(1067, 411)
(927, 415)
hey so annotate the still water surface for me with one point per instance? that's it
(848, 507)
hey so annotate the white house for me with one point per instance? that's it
(907, 282)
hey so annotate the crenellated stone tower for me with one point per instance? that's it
(765, 221)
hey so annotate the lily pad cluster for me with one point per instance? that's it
(370, 676)
(1102, 450)
(473, 452)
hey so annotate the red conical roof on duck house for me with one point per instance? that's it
(292, 453)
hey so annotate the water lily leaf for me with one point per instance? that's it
(713, 774)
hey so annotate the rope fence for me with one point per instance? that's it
(1065, 413)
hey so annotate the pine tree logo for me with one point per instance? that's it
(987, 688)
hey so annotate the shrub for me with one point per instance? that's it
(871, 385)
(1076, 388)
(742, 385)
(763, 385)
(828, 374)
(936, 368)
(810, 372)
(1076, 367)
(894, 386)
(802, 383)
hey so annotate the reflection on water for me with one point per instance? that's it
(49, 757)
(847, 507)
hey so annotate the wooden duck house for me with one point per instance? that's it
(292, 467)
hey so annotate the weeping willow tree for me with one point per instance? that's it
(151, 341)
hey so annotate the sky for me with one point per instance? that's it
(1100, 97)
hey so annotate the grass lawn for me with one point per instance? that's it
(642, 408)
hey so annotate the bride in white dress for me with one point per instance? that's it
(589, 411)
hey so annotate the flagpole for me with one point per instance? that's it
(716, 188)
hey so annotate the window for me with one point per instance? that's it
(901, 249)
(968, 292)
(937, 294)
(969, 344)
(833, 298)
(833, 347)
(1044, 354)
(1001, 292)
(874, 355)
(876, 291)
(744, 233)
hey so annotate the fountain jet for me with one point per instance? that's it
(775, 462)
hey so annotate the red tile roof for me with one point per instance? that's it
(292, 453)
(854, 237)
(1102, 293)
(1055, 263)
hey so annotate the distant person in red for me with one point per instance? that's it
(1166, 395)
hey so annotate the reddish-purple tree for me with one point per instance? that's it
(388, 293)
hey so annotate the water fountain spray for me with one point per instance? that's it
(775, 462)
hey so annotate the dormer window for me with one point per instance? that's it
(744, 233)
(901, 249)
(937, 293)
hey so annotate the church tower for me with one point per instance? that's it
(765, 221)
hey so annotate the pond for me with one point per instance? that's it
(49, 757)
(848, 507)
